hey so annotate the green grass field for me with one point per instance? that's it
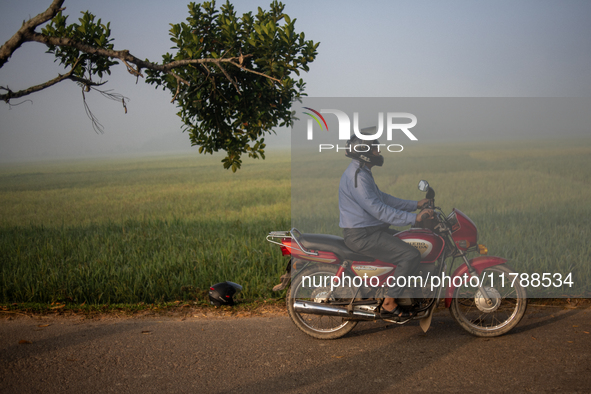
(142, 230)
(165, 228)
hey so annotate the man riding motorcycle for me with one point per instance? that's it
(366, 214)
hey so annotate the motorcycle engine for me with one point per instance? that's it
(404, 301)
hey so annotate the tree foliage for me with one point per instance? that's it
(232, 77)
(88, 32)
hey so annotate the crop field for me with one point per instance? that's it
(139, 230)
(158, 229)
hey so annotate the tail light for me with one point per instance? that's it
(285, 251)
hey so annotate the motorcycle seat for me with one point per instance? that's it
(331, 243)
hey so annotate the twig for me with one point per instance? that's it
(96, 125)
(132, 70)
(229, 78)
(178, 86)
(10, 95)
(22, 102)
(255, 72)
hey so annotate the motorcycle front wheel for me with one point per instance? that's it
(508, 303)
(317, 326)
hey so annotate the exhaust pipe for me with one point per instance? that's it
(314, 308)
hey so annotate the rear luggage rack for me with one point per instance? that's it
(291, 235)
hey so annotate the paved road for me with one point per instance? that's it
(549, 351)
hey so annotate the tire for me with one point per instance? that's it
(469, 309)
(317, 326)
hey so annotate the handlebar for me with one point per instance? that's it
(438, 219)
(424, 216)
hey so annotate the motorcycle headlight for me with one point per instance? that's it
(463, 244)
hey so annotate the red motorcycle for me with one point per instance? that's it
(333, 287)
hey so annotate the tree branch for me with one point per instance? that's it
(127, 57)
(27, 33)
(251, 71)
(28, 27)
(10, 95)
(229, 78)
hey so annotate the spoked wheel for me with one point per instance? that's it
(505, 310)
(317, 326)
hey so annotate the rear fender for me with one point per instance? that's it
(479, 264)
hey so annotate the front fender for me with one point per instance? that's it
(479, 263)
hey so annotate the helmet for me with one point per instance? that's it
(361, 150)
(221, 293)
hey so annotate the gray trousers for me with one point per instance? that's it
(378, 242)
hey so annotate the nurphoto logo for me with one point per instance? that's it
(344, 132)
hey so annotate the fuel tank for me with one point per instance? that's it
(428, 243)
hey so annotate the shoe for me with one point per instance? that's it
(285, 278)
(397, 313)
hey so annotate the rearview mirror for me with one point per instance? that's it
(423, 185)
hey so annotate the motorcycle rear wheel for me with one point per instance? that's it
(317, 326)
(509, 303)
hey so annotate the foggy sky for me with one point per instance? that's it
(373, 49)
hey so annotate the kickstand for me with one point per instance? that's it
(380, 303)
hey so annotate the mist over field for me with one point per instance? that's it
(115, 144)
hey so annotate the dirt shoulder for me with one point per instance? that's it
(173, 310)
(185, 310)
